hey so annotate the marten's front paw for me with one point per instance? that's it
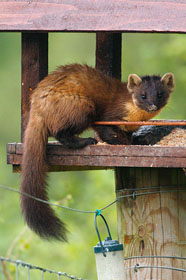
(91, 141)
(118, 140)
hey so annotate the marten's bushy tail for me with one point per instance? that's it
(39, 216)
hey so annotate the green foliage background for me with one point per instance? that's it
(90, 190)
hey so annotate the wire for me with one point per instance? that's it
(145, 193)
(137, 266)
(133, 195)
(155, 257)
(44, 201)
(152, 187)
(43, 270)
(110, 204)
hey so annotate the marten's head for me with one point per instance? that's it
(151, 93)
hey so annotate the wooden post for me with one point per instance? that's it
(152, 224)
(108, 56)
(108, 53)
(34, 69)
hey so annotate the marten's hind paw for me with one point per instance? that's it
(77, 142)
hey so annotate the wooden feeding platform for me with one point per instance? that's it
(149, 225)
(103, 156)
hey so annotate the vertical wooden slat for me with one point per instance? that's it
(108, 56)
(108, 53)
(34, 69)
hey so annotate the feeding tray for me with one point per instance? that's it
(103, 156)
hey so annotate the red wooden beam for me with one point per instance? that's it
(153, 122)
(88, 15)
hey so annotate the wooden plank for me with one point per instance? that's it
(107, 156)
(106, 161)
(151, 224)
(34, 69)
(55, 148)
(85, 15)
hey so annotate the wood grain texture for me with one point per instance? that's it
(34, 69)
(106, 156)
(153, 224)
(108, 53)
(88, 15)
(108, 56)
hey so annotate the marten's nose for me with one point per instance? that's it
(153, 108)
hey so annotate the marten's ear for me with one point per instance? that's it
(168, 80)
(133, 81)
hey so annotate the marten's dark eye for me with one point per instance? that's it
(144, 96)
(160, 94)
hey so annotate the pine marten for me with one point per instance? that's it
(63, 105)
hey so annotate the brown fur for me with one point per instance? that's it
(63, 105)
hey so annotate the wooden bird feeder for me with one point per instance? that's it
(148, 225)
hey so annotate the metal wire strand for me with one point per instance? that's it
(146, 193)
(155, 257)
(137, 266)
(150, 187)
(44, 201)
(29, 266)
(134, 195)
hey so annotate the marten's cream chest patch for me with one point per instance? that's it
(135, 114)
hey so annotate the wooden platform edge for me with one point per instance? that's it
(103, 156)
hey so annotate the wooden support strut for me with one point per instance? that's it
(34, 69)
(108, 53)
